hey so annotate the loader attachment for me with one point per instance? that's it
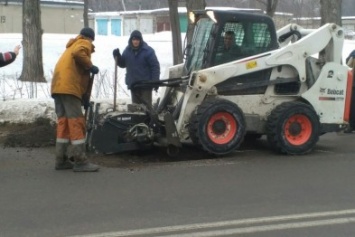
(119, 132)
(138, 127)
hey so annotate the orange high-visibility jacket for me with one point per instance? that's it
(71, 73)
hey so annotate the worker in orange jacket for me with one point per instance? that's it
(69, 84)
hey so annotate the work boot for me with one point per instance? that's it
(81, 163)
(349, 129)
(62, 161)
(85, 167)
(65, 165)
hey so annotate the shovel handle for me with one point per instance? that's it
(115, 86)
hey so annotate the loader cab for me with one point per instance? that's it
(251, 34)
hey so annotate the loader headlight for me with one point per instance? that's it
(192, 17)
(211, 15)
(196, 15)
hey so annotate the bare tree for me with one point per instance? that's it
(175, 31)
(270, 6)
(252, 4)
(32, 69)
(85, 14)
(330, 11)
(300, 9)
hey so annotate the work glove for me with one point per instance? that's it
(116, 53)
(94, 69)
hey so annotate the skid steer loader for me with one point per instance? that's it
(278, 84)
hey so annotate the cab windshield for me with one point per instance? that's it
(196, 51)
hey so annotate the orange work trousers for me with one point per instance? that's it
(70, 119)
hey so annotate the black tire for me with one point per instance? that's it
(293, 128)
(218, 126)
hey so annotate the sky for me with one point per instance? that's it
(16, 105)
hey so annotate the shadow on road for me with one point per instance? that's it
(187, 153)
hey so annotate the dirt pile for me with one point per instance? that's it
(40, 133)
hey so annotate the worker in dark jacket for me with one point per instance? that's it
(8, 57)
(141, 64)
(69, 84)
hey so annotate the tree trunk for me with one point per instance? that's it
(330, 11)
(175, 31)
(32, 69)
(85, 14)
(190, 6)
(252, 4)
(270, 6)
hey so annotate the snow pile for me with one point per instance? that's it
(26, 111)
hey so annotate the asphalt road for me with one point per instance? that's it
(253, 192)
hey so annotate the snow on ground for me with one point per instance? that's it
(15, 105)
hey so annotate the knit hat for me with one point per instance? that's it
(88, 32)
(136, 34)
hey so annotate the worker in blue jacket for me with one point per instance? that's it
(141, 65)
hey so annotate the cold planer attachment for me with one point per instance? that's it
(117, 132)
(111, 134)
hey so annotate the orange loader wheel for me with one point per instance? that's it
(298, 129)
(221, 128)
(293, 128)
(218, 126)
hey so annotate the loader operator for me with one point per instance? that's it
(69, 84)
(231, 51)
(141, 65)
